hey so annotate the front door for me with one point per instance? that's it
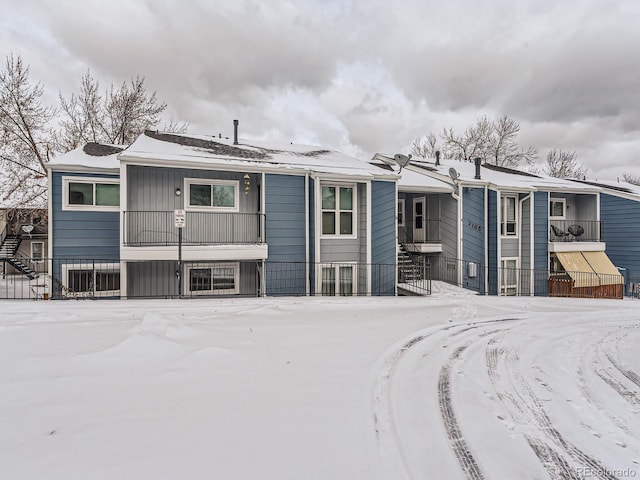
(418, 220)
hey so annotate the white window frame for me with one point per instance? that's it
(503, 217)
(504, 288)
(337, 267)
(354, 211)
(401, 211)
(211, 182)
(88, 180)
(41, 259)
(229, 291)
(109, 267)
(564, 208)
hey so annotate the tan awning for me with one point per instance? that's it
(606, 270)
(578, 269)
(590, 269)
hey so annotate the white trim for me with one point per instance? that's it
(532, 244)
(110, 267)
(354, 211)
(563, 201)
(369, 206)
(317, 214)
(123, 203)
(196, 252)
(598, 207)
(501, 270)
(486, 240)
(337, 266)
(210, 182)
(50, 226)
(211, 266)
(66, 180)
(400, 209)
(516, 215)
(307, 237)
(123, 279)
(577, 247)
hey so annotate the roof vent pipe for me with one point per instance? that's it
(235, 132)
(477, 160)
(437, 158)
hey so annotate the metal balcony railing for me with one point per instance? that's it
(430, 234)
(156, 228)
(575, 230)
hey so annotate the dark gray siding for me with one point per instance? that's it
(311, 238)
(336, 250)
(383, 237)
(621, 218)
(153, 188)
(449, 226)
(525, 242)
(541, 240)
(83, 234)
(473, 247)
(286, 236)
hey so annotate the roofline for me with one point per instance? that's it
(81, 169)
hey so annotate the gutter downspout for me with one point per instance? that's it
(263, 210)
(50, 231)
(499, 242)
(532, 235)
(521, 202)
(307, 234)
(369, 202)
(124, 289)
(486, 240)
(458, 198)
(317, 226)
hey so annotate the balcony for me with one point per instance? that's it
(575, 230)
(152, 235)
(424, 238)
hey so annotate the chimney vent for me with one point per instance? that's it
(235, 132)
(478, 161)
(437, 158)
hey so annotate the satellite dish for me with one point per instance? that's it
(27, 229)
(453, 174)
(402, 160)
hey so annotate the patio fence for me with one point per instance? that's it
(102, 278)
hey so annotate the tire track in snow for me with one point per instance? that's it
(456, 439)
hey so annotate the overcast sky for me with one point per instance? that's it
(362, 77)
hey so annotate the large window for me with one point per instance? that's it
(338, 212)
(338, 279)
(509, 224)
(213, 279)
(509, 276)
(557, 208)
(99, 280)
(83, 193)
(212, 194)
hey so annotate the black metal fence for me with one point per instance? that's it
(110, 278)
(575, 231)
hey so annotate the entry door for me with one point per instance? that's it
(418, 220)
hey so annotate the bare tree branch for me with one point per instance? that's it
(563, 164)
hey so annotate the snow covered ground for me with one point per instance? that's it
(449, 386)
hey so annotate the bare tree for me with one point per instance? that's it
(24, 137)
(563, 164)
(630, 178)
(493, 141)
(117, 116)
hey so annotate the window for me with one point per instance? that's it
(401, 212)
(509, 276)
(338, 213)
(83, 193)
(99, 280)
(212, 194)
(509, 224)
(213, 279)
(557, 208)
(37, 251)
(337, 280)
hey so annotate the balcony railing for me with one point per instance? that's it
(575, 230)
(147, 228)
(430, 234)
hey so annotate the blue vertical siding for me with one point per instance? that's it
(473, 247)
(312, 238)
(621, 220)
(493, 242)
(286, 236)
(383, 237)
(541, 240)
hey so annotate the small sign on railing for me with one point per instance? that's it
(179, 218)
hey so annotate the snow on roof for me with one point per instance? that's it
(500, 177)
(175, 149)
(413, 180)
(626, 189)
(92, 156)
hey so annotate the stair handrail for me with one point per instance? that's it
(3, 235)
(29, 262)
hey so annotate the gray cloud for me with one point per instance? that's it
(358, 77)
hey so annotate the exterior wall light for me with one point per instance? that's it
(178, 192)
(247, 183)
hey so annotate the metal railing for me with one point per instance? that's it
(156, 228)
(575, 230)
(431, 233)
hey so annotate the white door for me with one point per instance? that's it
(418, 220)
